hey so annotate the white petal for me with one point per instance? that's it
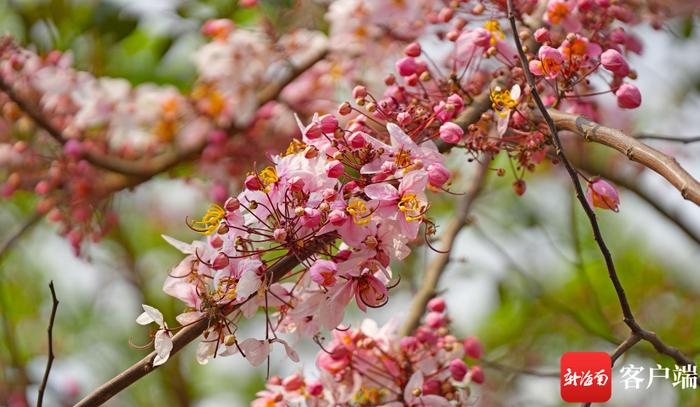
(144, 319)
(248, 284)
(155, 315)
(291, 353)
(163, 345)
(515, 92)
(181, 246)
(256, 351)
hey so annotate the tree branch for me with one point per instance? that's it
(439, 263)
(26, 226)
(146, 168)
(49, 361)
(189, 334)
(635, 150)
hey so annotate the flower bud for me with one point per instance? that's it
(314, 388)
(357, 139)
(438, 174)
(519, 186)
(293, 382)
(431, 386)
(342, 256)
(602, 194)
(458, 369)
(542, 35)
(614, 62)
(220, 262)
(311, 218)
(434, 320)
(344, 109)
(628, 96)
(313, 131)
(252, 183)
(477, 375)
(451, 133)
(409, 344)
(334, 169)
(406, 66)
(473, 347)
(359, 92)
(437, 304)
(73, 148)
(412, 50)
(328, 123)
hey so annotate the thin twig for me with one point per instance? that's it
(635, 151)
(49, 361)
(26, 226)
(438, 265)
(683, 140)
(663, 164)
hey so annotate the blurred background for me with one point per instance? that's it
(527, 278)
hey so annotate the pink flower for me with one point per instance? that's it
(549, 64)
(163, 343)
(542, 35)
(628, 96)
(562, 12)
(370, 292)
(323, 272)
(602, 194)
(451, 133)
(447, 110)
(614, 62)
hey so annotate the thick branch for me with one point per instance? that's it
(49, 361)
(438, 265)
(187, 335)
(635, 150)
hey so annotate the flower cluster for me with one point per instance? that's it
(341, 201)
(373, 366)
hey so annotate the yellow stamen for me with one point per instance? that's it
(359, 212)
(502, 102)
(294, 147)
(411, 207)
(496, 31)
(403, 159)
(268, 176)
(210, 221)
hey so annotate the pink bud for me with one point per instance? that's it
(412, 50)
(220, 261)
(42, 187)
(458, 369)
(315, 388)
(359, 92)
(73, 148)
(328, 123)
(217, 136)
(436, 305)
(216, 242)
(451, 133)
(412, 80)
(434, 320)
(334, 169)
(542, 35)
(602, 194)
(477, 375)
(438, 174)
(313, 131)
(329, 194)
(252, 183)
(311, 217)
(217, 28)
(337, 217)
(357, 139)
(232, 204)
(473, 347)
(293, 382)
(426, 335)
(628, 96)
(614, 62)
(323, 272)
(406, 66)
(446, 14)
